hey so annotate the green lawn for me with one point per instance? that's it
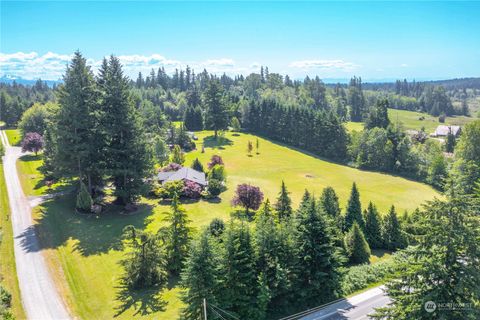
(411, 120)
(84, 252)
(31, 179)
(8, 272)
(354, 126)
(14, 136)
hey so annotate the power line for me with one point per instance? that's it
(224, 311)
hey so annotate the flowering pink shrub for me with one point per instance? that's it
(171, 167)
(192, 190)
(214, 161)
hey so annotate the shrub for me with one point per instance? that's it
(441, 118)
(5, 298)
(192, 190)
(171, 167)
(360, 277)
(218, 173)
(169, 189)
(215, 187)
(84, 200)
(216, 227)
(214, 161)
(32, 142)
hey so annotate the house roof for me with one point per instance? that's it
(443, 130)
(183, 174)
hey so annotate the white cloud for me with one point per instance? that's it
(404, 65)
(324, 64)
(223, 62)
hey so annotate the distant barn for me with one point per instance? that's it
(442, 131)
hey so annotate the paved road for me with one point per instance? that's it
(40, 298)
(355, 308)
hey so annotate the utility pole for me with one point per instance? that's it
(205, 308)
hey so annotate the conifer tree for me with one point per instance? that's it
(329, 205)
(199, 277)
(77, 151)
(393, 237)
(373, 227)
(177, 155)
(444, 266)
(197, 165)
(239, 283)
(127, 155)
(357, 248)
(84, 200)
(354, 210)
(317, 270)
(144, 262)
(283, 206)
(177, 236)
(216, 114)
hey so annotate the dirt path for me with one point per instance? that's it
(40, 297)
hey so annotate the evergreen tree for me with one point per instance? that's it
(76, 151)
(356, 100)
(127, 155)
(356, 246)
(238, 284)
(354, 210)
(444, 267)
(393, 237)
(329, 202)
(197, 165)
(317, 270)
(450, 142)
(177, 236)
(144, 263)
(216, 114)
(199, 277)
(177, 155)
(283, 206)
(373, 227)
(378, 115)
(84, 200)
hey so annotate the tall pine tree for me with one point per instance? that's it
(283, 206)
(128, 157)
(354, 210)
(199, 277)
(393, 237)
(216, 114)
(373, 227)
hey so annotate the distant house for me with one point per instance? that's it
(442, 131)
(183, 174)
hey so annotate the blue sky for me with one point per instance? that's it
(376, 40)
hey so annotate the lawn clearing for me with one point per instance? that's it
(14, 136)
(8, 271)
(354, 126)
(411, 120)
(83, 252)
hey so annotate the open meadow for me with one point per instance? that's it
(84, 251)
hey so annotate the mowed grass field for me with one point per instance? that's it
(8, 271)
(84, 252)
(411, 120)
(14, 136)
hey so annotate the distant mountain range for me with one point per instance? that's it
(8, 78)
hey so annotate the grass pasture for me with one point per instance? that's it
(83, 252)
(14, 136)
(411, 120)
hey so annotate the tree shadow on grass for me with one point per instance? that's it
(144, 301)
(58, 222)
(216, 143)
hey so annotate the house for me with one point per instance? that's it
(183, 174)
(442, 131)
